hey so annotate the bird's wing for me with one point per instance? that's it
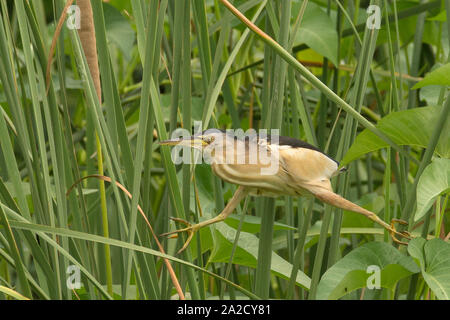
(307, 165)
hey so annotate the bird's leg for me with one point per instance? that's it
(340, 202)
(240, 193)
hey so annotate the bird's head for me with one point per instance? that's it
(208, 138)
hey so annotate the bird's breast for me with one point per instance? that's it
(250, 175)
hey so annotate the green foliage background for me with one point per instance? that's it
(375, 99)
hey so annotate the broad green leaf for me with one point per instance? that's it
(317, 30)
(439, 76)
(372, 202)
(121, 5)
(410, 127)
(352, 271)
(415, 249)
(433, 256)
(441, 16)
(118, 30)
(430, 95)
(247, 252)
(434, 181)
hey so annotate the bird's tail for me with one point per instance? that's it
(339, 171)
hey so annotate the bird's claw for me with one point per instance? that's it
(394, 232)
(190, 229)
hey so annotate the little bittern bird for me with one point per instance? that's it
(270, 166)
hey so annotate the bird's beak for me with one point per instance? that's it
(188, 142)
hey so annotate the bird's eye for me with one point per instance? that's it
(209, 139)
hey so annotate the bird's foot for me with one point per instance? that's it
(190, 229)
(394, 232)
